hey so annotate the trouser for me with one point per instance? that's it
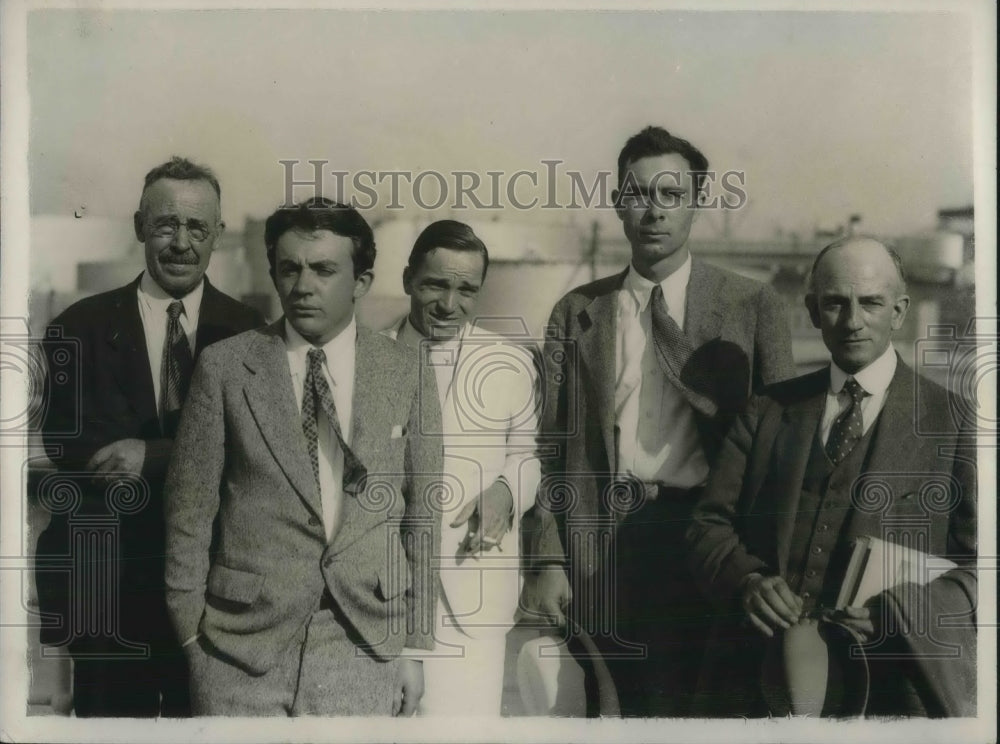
(325, 672)
(660, 618)
(134, 688)
(464, 676)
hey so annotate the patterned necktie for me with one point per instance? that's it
(674, 351)
(175, 368)
(317, 396)
(849, 426)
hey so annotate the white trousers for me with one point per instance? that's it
(464, 676)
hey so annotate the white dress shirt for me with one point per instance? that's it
(153, 304)
(339, 372)
(874, 379)
(658, 435)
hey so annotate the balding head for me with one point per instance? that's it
(855, 245)
(856, 297)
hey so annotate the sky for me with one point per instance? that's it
(827, 114)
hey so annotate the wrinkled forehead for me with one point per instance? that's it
(195, 198)
(861, 268)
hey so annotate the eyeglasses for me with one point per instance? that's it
(198, 231)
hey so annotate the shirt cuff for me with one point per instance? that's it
(191, 640)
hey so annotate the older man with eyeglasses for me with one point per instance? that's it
(135, 348)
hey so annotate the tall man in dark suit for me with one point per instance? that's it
(136, 346)
(857, 448)
(301, 521)
(645, 370)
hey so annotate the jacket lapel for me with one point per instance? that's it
(375, 401)
(129, 358)
(271, 399)
(892, 444)
(705, 306)
(597, 358)
(212, 322)
(792, 447)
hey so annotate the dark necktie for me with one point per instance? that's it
(849, 426)
(674, 351)
(175, 369)
(316, 396)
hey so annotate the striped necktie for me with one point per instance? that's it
(317, 397)
(175, 369)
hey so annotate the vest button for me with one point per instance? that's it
(823, 527)
(811, 573)
(817, 550)
(806, 595)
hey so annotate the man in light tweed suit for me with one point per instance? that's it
(300, 527)
(644, 373)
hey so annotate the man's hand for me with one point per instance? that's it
(123, 456)
(488, 517)
(859, 619)
(770, 604)
(145, 457)
(546, 596)
(409, 687)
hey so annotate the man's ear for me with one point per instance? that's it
(619, 210)
(899, 308)
(813, 307)
(407, 279)
(140, 229)
(363, 283)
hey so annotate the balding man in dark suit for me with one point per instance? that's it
(819, 461)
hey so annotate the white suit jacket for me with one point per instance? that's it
(489, 427)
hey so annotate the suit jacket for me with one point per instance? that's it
(489, 430)
(107, 395)
(744, 520)
(241, 460)
(742, 342)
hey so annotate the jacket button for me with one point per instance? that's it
(313, 522)
(327, 562)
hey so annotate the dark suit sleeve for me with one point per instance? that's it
(191, 496)
(773, 345)
(542, 527)
(421, 527)
(73, 428)
(718, 558)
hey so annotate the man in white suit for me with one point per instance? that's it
(487, 388)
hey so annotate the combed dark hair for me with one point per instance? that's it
(181, 169)
(319, 213)
(840, 242)
(456, 236)
(653, 141)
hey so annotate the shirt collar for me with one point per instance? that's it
(337, 348)
(673, 286)
(874, 378)
(155, 298)
(410, 336)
